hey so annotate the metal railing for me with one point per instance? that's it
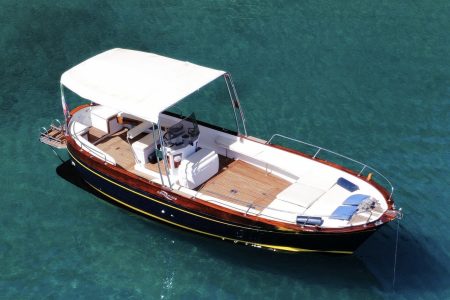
(58, 126)
(321, 149)
(247, 206)
(96, 152)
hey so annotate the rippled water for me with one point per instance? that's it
(369, 79)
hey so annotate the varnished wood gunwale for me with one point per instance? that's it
(78, 108)
(214, 210)
(198, 205)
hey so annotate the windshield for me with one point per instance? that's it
(182, 133)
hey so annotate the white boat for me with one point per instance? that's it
(197, 176)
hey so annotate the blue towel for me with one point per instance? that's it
(348, 185)
(305, 220)
(355, 199)
(344, 212)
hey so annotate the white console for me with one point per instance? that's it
(143, 147)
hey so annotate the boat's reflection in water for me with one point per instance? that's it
(370, 267)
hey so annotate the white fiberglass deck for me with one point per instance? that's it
(262, 181)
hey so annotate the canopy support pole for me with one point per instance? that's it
(156, 149)
(232, 105)
(235, 102)
(64, 104)
(164, 154)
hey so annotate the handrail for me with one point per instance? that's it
(251, 205)
(43, 130)
(56, 127)
(98, 153)
(247, 204)
(319, 149)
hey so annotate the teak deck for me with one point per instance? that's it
(117, 146)
(245, 184)
(237, 182)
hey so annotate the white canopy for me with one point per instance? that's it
(139, 83)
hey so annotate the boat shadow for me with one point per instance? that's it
(371, 266)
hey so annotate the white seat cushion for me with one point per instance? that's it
(282, 211)
(300, 194)
(197, 168)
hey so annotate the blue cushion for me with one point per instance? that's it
(355, 199)
(344, 212)
(348, 185)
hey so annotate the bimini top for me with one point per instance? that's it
(140, 83)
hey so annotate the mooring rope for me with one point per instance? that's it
(53, 149)
(399, 217)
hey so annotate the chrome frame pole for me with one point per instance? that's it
(241, 111)
(164, 154)
(225, 76)
(63, 103)
(156, 149)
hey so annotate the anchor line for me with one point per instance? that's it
(53, 149)
(396, 249)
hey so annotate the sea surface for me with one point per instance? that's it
(368, 79)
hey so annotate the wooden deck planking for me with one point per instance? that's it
(244, 184)
(95, 134)
(117, 146)
(237, 181)
(155, 168)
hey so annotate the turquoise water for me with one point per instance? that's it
(369, 79)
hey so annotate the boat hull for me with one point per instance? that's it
(160, 206)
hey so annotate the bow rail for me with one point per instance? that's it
(318, 150)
